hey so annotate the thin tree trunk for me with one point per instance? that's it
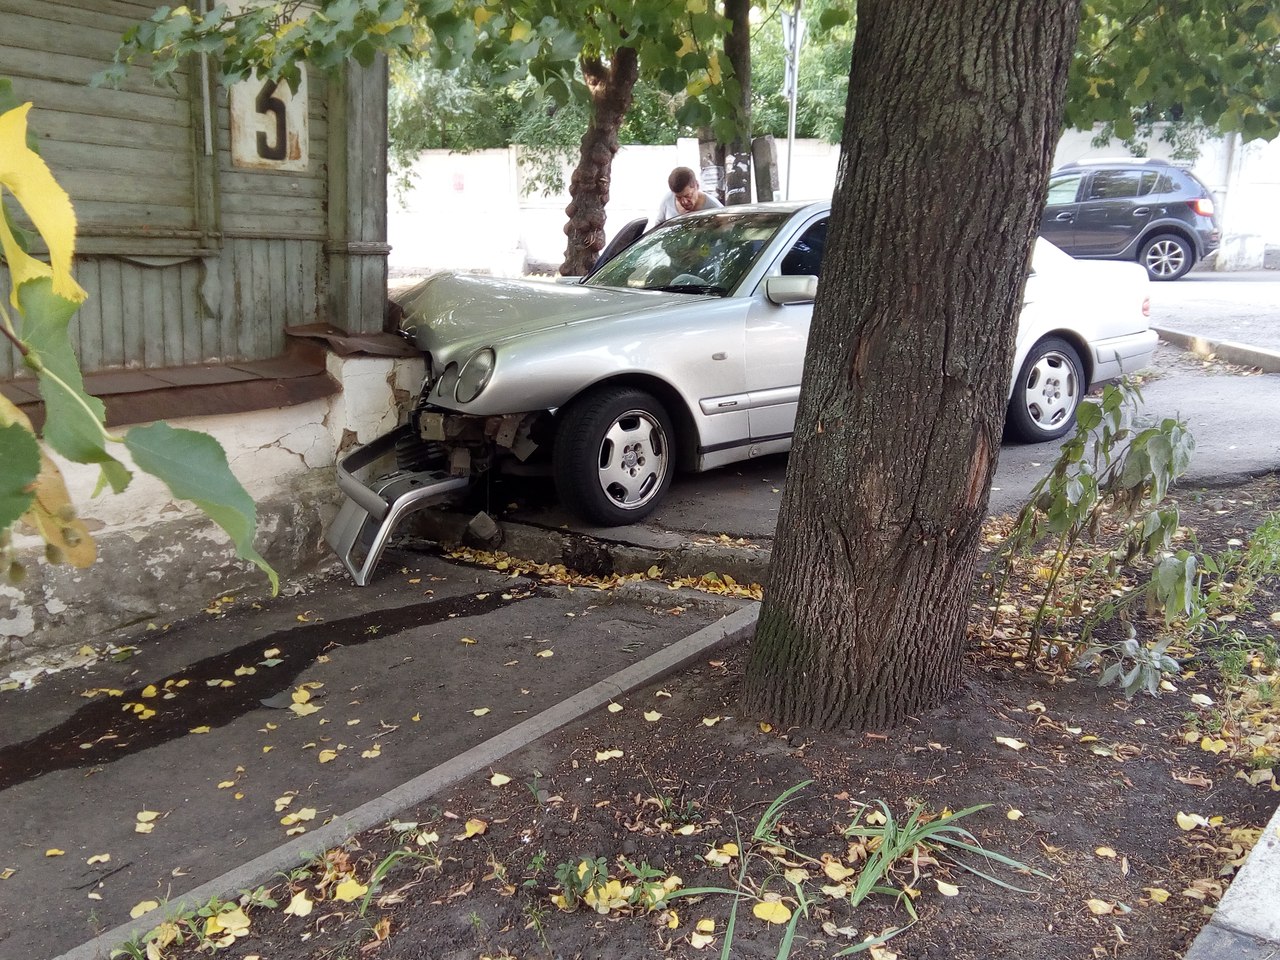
(737, 49)
(611, 86)
(951, 123)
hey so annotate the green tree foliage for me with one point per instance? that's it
(1215, 62)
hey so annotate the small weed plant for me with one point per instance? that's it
(1110, 481)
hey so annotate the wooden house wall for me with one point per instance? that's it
(186, 258)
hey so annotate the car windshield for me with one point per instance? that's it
(699, 254)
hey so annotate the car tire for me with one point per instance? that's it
(1048, 392)
(1166, 257)
(614, 455)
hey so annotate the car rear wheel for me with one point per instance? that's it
(614, 457)
(1166, 257)
(1047, 392)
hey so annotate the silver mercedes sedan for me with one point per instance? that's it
(682, 352)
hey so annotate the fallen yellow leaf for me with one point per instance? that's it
(705, 926)
(54, 852)
(300, 905)
(349, 889)
(615, 708)
(1099, 908)
(710, 721)
(146, 906)
(499, 780)
(200, 729)
(544, 653)
(99, 858)
(326, 756)
(772, 911)
(947, 889)
(1189, 821)
(1014, 814)
(603, 755)
(1158, 894)
(1011, 742)
(475, 827)
(837, 871)
(653, 716)
(480, 712)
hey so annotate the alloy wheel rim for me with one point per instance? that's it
(634, 459)
(1165, 258)
(1051, 391)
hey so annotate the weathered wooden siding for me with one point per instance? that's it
(186, 258)
(126, 156)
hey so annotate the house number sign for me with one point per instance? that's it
(269, 125)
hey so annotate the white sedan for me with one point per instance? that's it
(683, 351)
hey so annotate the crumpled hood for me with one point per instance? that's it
(449, 311)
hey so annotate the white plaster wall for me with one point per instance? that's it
(269, 451)
(470, 212)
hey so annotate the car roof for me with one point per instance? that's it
(773, 206)
(1118, 162)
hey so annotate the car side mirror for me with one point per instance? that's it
(784, 290)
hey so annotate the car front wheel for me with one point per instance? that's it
(1166, 257)
(1047, 392)
(614, 457)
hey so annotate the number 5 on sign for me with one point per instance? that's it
(269, 125)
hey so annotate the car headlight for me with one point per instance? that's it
(475, 375)
(448, 380)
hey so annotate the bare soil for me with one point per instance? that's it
(1080, 785)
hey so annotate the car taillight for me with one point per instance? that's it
(1203, 206)
(1146, 306)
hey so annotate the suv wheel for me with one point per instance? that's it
(1166, 257)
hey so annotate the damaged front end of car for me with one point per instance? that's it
(433, 456)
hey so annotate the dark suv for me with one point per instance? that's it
(1150, 211)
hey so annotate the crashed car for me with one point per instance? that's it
(682, 352)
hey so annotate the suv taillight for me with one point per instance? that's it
(1203, 206)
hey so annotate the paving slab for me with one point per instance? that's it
(431, 661)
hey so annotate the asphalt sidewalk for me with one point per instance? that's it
(432, 673)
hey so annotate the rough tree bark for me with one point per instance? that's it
(611, 85)
(951, 123)
(737, 50)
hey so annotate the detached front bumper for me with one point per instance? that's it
(372, 509)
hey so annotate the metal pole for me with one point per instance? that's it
(793, 34)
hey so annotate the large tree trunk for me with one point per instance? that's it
(737, 49)
(611, 86)
(951, 123)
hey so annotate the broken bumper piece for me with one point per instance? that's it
(372, 509)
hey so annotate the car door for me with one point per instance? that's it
(1058, 222)
(1113, 211)
(776, 338)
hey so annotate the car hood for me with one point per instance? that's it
(447, 311)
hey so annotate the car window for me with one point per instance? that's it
(1063, 188)
(1115, 184)
(693, 253)
(805, 256)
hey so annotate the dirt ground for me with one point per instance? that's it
(1128, 818)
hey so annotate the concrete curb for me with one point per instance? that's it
(594, 553)
(736, 626)
(1266, 360)
(1246, 925)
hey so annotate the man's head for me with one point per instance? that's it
(684, 184)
